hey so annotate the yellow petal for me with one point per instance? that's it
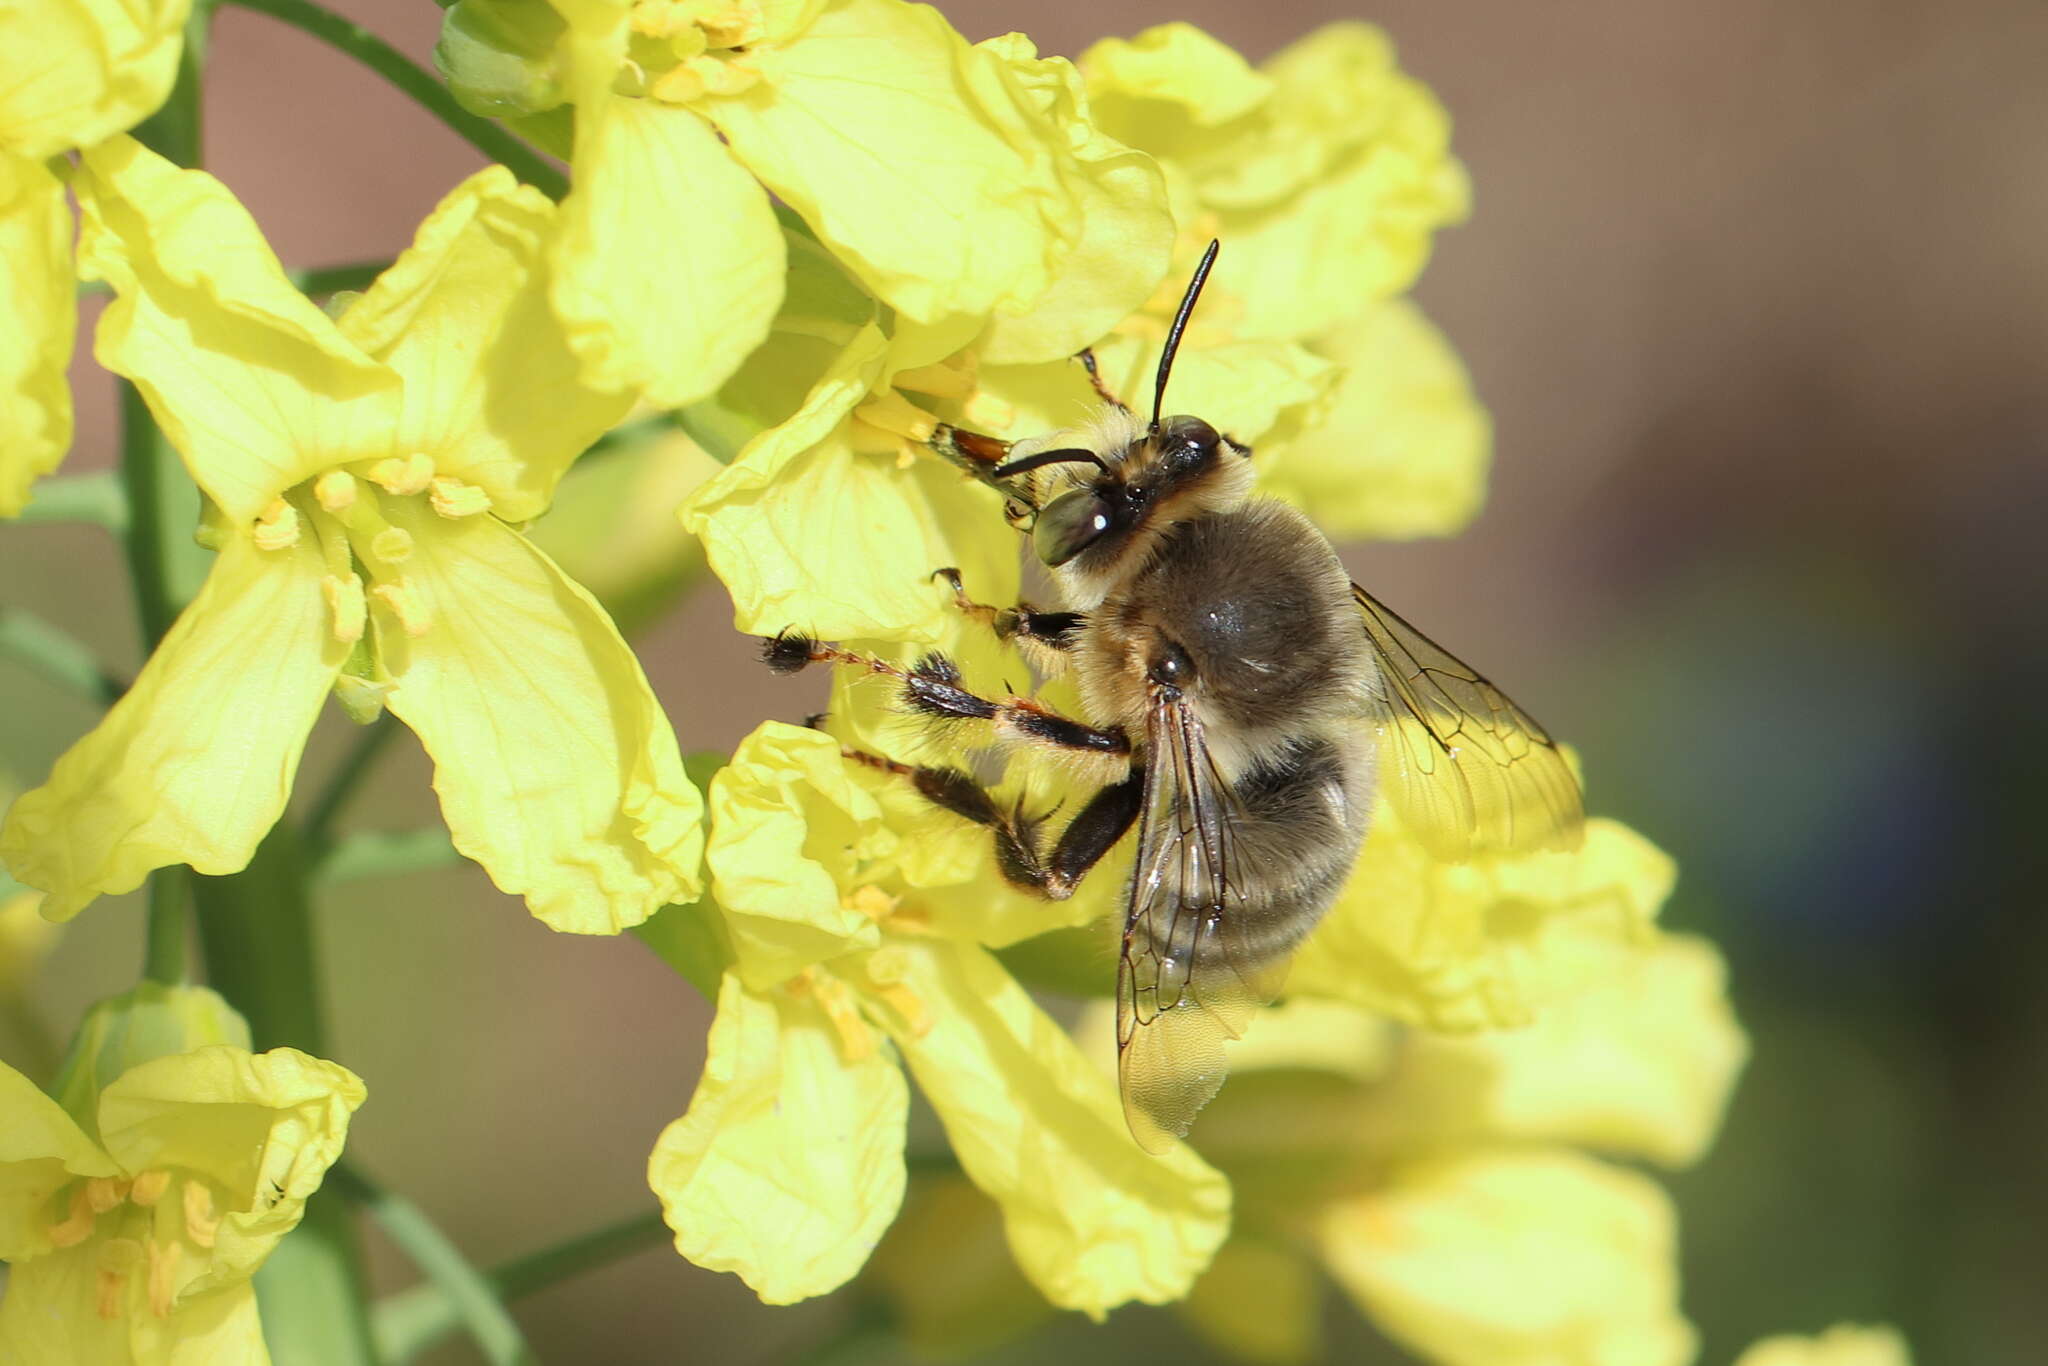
(1484, 944)
(1404, 446)
(41, 1148)
(1845, 1344)
(1167, 89)
(902, 148)
(1127, 234)
(789, 829)
(53, 1313)
(556, 766)
(1256, 393)
(39, 300)
(1092, 1219)
(147, 1022)
(1525, 1259)
(261, 1128)
(1641, 1062)
(809, 531)
(669, 264)
(1259, 1302)
(194, 764)
(75, 71)
(492, 393)
(253, 384)
(789, 1163)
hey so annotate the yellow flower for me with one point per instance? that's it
(134, 1222)
(1842, 1345)
(71, 73)
(933, 168)
(1325, 174)
(789, 1163)
(364, 481)
(1436, 1179)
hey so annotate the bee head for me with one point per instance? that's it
(1181, 468)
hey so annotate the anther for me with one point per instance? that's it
(872, 902)
(163, 1276)
(453, 498)
(336, 491)
(345, 603)
(403, 476)
(892, 413)
(405, 605)
(118, 1258)
(201, 1222)
(78, 1226)
(104, 1193)
(277, 526)
(150, 1186)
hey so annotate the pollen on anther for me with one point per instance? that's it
(163, 1276)
(277, 526)
(405, 604)
(403, 476)
(201, 1221)
(150, 1187)
(103, 1193)
(453, 498)
(349, 611)
(336, 491)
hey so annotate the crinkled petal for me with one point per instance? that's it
(907, 153)
(1403, 448)
(1515, 1259)
(75, 71)
(1639, 1063)
(788, 1165)
(1478, 945)
(1845, 1344)
(52, 1314)
(151, 1020)
(1168, 89)
(262, 1128)
(39, 300)
(556, 766)
(41, 1148)
(814, 532)
(492, 391)
(1260, 1302)
(788, 829)
(1127, 229)
(253, 384)
(1093, 1220)
(669, 265)
(194, 763)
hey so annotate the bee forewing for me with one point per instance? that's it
(1187, 979)
(1467, 769)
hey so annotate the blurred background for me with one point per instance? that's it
(1758, 297)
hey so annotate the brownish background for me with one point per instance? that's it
(1758, 295)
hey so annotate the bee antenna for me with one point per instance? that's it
(1180, 324)
(1067, 456)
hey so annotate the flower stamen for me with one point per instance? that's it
(404, 603)
(350, 613)
(201, 1220)
(277, 527)
(403, 476)
(453, 498)
(78, 1226)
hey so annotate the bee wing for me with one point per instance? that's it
(1465, 766)
(1187, 980)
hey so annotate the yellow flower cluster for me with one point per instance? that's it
(818, 228)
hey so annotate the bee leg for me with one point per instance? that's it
(1043, 638)
(1086, 355)
(933, 688)
(1092, 833)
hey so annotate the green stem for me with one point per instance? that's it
(341, 785)
(57, 657)
(469, 1294)
(167, 956)
(419, 83)
(413, 1320)
(385, 853)
(95, 499)
(257, 929)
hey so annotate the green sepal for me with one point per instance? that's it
(498, 57)
(154, 1020)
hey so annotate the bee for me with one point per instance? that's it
(1244, 704)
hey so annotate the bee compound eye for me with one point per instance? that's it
(1171, 666)
(1069, 524)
